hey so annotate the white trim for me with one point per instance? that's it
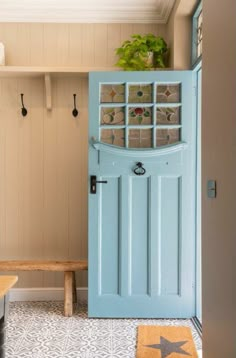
(75, 11)
(44, 294)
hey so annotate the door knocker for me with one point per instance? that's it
(139, 170)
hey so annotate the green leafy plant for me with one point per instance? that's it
(135, 55)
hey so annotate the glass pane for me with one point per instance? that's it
(167, 136)
(140, 93)
(168, 115)
(168, 93)
(112, 93)
(113, 136)
(112, 116)
(199, 35)
(140, 115)
(140, 138)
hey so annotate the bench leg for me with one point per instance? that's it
(2, 337)
(74, 289)
(68, 293)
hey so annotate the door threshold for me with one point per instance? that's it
(198, 325)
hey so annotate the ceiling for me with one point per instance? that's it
(86, 11)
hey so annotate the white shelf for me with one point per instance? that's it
(48, 72)
(36, 71)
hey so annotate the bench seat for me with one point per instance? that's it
(68, 267)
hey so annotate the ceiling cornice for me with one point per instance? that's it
(88, 11)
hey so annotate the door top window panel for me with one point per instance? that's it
(113, 136)
(112, 115)
(140, 115)
(112, 93)
(140, 93)
(168, 115)
(168, 93)
(140, 138)
(167, 136)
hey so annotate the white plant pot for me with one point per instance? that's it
(150, 59)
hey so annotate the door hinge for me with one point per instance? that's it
(211, 189)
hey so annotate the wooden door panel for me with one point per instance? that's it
(139, 236)
(170, 193)
(141, 228)
(109, 235)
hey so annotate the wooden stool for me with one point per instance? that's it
(68, 267)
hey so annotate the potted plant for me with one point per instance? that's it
(142, 53)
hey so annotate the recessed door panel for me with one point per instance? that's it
(139, 236)
(171, 235)
(109, 236)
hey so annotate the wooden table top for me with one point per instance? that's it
(6, 282)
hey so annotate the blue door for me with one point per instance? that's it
(141, 194)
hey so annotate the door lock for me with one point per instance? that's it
(94, 182)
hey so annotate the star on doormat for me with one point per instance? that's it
(165, 342)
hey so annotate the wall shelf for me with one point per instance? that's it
(36, 71)
(48, 72)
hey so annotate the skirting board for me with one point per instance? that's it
(44, 294)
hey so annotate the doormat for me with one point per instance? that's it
(165, 341)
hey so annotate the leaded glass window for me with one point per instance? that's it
(140, 115)
(197, 34)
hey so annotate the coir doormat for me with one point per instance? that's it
(165, 342)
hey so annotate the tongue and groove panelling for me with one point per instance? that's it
(43, 157)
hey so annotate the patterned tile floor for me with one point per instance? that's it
(39, 330)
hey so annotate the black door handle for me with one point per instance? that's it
(139, 169)
(94, 182)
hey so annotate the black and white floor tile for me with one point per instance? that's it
(39, 330)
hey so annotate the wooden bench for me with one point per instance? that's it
(68, 267)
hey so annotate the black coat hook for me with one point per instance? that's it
(23, 109)
(75, 111)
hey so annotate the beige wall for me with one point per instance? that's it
(219, 162)
(43, 157)
(179, 34)
(67, 44)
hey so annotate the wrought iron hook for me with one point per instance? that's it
(23, 109)
(75, 111)
(139, 170)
